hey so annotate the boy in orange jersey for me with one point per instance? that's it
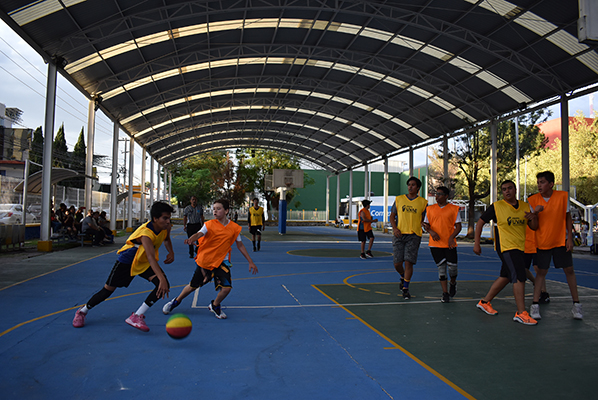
(443, 223)
(406, 218)
(218, 235)
(364, 229)
(554, 239)
(138, 257)
(511, 217)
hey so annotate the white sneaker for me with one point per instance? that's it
(168, 307)
(576, 310)
(534, 311)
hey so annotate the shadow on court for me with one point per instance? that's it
(327, 327)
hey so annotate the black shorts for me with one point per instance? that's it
(362, 236)
(512, 265)
(442, 254)
(120, 276)
(221, 276)
(255, 230)
(530, 259)
(561, 258)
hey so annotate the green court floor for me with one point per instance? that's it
(484, 356)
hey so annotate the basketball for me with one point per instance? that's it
(178, 326)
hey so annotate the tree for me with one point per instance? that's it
(77, 163)
(60, 149)
(37, 150)
(583, 161)
(472, 156)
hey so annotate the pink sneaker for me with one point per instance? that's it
(79, 320)
(137, 321)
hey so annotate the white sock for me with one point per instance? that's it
(84, 309)
(142, 310)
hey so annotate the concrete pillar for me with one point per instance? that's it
(445, 161)
(351, 198)
(493, 152)
(91, 123)
(151, 181)
(131, 175)
(565, 143)
(385, 194)
(113, 183)
(411, 161)
(338, 194)
(366, 182)
(328, 200)
(45, 244)
(142, 217)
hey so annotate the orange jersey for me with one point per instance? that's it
(365, 214)
(552, 221)
(530, 241)
(214, 246)
(442, 221)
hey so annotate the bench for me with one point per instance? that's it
(85, 237)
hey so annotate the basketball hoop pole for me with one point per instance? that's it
(282, 211)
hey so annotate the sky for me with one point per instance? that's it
(22, 85)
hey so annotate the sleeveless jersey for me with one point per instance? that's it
(442, 221)
(511, 224)
(140, 263)
(552, 221)
(256, 215)
(215, 245)
(365, 214)
(409, 214)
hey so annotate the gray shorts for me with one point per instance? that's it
(405, 248)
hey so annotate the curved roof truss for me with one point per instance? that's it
(338, 83)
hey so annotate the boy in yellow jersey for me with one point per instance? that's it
(364, 229)
(216, 238)
(511, 217)
(138, 257)
(443, 223)
(554, 240)
(256, 222)
(406, 218)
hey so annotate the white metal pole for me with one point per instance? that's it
(91, 116)
(131, 169)
(47, 162)
(113, 182)
(517, 154)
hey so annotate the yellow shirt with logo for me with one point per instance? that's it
(409, 214)
(140, 262)
(511, 223)
(256, 215)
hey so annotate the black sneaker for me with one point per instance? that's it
(362, 256)
(216, 310)
(445, 298)
(453, 289)
(406, 294)
(368, 254)
(544, 298)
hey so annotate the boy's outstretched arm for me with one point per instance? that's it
(243, 250)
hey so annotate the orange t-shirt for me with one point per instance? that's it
(365, 214)
(552, 221)
(442, 221)
(214, 246)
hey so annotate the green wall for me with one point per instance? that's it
(313, 197)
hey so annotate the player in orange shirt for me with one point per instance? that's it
(554, 239)
(364, 229)
(217, 236)
(443, 223)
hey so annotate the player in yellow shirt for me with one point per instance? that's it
(215, 240)
(406, 218)
(256, 222)
(138, 257)
(511, 217)
(443, 223)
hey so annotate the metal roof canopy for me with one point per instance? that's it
(34, 182)
(337, 83)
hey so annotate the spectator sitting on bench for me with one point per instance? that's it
(90, 227)
(69, 225)
(105, 225)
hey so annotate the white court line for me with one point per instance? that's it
(390, 303)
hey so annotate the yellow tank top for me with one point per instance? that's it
(140, 262)
(409, 214)
(511, 225)
(256, 215)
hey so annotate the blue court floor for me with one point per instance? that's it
(302, 328)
